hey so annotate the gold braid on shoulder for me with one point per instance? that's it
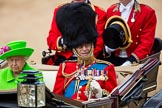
(65, 74)
(71, 76)
(102, 61)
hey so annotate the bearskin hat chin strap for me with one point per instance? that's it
(86, 60)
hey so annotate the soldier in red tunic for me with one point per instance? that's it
(87, 77)
(55, 41)
(142, 23)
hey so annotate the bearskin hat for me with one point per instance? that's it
(76, 22)
(117, 33)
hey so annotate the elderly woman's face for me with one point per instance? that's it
(16, 63)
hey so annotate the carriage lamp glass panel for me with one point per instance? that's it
(31, 93)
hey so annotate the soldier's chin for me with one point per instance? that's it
(85, 57)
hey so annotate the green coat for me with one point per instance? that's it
(8, 81)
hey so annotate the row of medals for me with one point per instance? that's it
(93, 74)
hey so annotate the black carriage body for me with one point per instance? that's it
(134, 92)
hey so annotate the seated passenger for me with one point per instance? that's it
(87, 77)
(16, 54)
(55, 41)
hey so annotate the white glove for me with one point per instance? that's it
(127, 63)
(109, 50)
(96, 88)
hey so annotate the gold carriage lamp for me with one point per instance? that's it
(31, 90)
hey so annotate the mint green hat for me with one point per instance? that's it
(15, 48)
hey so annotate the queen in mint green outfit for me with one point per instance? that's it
(16, 54)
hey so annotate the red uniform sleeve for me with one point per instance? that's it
(59, 83)
(100, 26)
(146, 35)
(111, 83)
(54, 33)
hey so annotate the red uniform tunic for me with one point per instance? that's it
(66, 76)
(142, 30)
(55, 35)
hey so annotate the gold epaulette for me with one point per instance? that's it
(103, 61)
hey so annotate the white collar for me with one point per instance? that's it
(127, 7)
